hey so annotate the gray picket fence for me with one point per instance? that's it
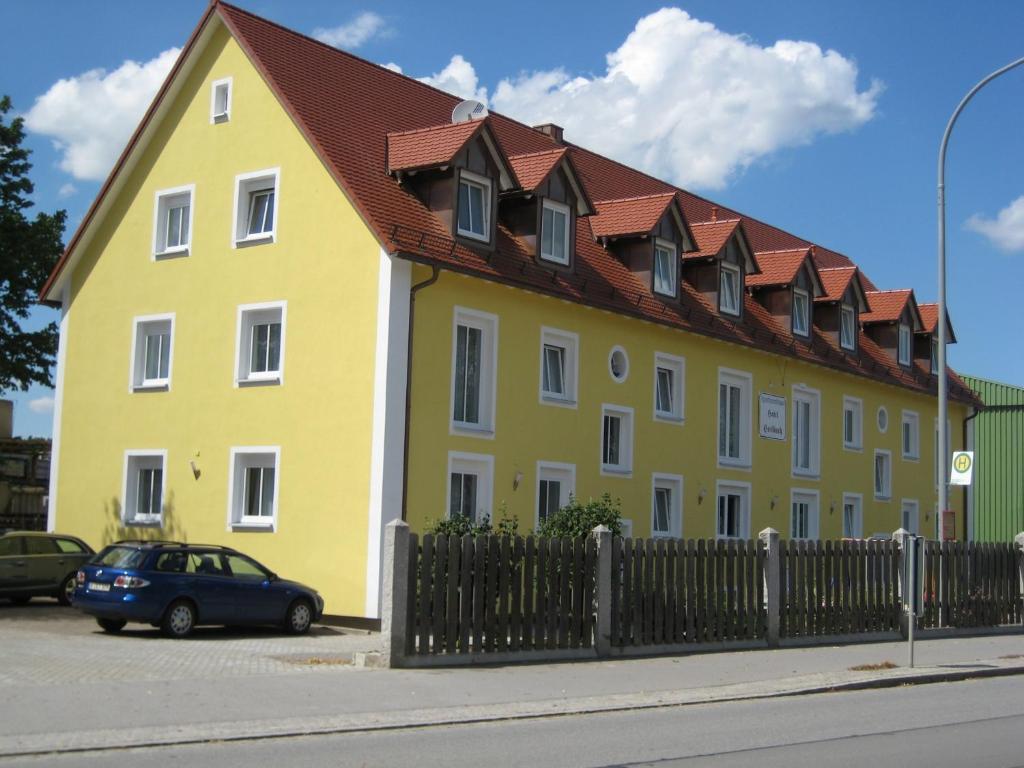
(971, 584)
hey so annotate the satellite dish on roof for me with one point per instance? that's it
(467, 110)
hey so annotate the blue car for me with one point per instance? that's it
(178, 586)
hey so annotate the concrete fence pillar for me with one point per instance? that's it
(900, 536)
(395, 592)
(603, 591)
(772, 583)
(1018, 541)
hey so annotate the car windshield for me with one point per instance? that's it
(120, 557)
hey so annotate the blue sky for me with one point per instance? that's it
(835, 141)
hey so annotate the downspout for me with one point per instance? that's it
(964, 489)
(435, 274)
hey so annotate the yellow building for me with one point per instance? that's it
(294, 239)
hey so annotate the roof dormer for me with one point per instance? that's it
(648, 234)
(926, 340)
(786, 287)
(719, 267)
(837, 313)
(892, 323)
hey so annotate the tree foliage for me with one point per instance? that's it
(460, 525)
(29, 249)
(579, 518)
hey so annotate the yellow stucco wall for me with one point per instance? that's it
(527, 431)
(324, 264)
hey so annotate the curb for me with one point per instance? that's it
(253, 730)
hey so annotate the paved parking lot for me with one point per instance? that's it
(45, 644)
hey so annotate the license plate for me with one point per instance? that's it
(97, 587)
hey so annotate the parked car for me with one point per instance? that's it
(178, 586)
(34, 564)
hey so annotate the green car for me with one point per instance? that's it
(40, 565)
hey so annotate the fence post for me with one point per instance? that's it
(1018, 541)
(395, 592)
(900, 536)
(603, 590)
(772, 575)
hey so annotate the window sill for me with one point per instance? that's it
(807, 474)
(882, 498)
(268, 381)
(143, 522)
(485, 238)
(553, 261)
(663, 295)
(172, 253)
(853, 448)
(669, 419)
(223, 117)
(912, 459)
(471, 430)
(561, 402)
(152, 386)
(266, 526)
(245, 242)
(725, 463)
(616, 471)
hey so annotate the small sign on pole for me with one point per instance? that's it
(963, 468)
(773, 417)
(949, 525)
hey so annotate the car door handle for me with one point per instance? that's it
(19, 563)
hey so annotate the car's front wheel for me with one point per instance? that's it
(299, 617)
(179, 620)
(67, 589)
(111, 625)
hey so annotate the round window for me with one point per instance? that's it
(618, 364)
(883, 419)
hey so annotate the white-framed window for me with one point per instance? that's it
(618, 364)
(665, 262)
(804, 514)
(847, 327)
(144, 487)
(801, 312)
(559, 367)
(734, 417)
(883, 474)
(172, 221)
(556, 483)
(729, 288)
(666, 505)
(733, 519)
(152, 352)
(909, 515)
(903, 348)
(474, 371)
(470, 485)
(554, 232)
(882, 419)
(616, 440)
(935, 355)
(910, 435)
(853, 423)
(853, 516)
(256, 214)
(669, 387)
(220, 100)
(806, 431)
(474, 206)
(254, 487)
(259, 353)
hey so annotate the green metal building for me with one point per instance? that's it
(998, 443)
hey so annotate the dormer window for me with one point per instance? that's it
(935, 355)
(848, 328)
(729, 289)
(554, 232)
(665, 263)
(903, 351)
(801, 312)
(474, 206)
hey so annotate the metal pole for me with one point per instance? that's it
(911, 594)
(943, 384)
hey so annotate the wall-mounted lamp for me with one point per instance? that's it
(701, 494)
(196, 472)
(832, 506)
(517, 480)
(774, 501)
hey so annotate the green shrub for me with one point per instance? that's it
(578, 518)
(460, 525)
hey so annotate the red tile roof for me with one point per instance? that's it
(711, 237)
(429, 147)
(778, 267)
(533, 168)
(930, 321)
(886, 306)
(629, 216)
(835, 280)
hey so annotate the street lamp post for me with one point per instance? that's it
(942, 376)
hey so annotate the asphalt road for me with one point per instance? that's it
(977, 723)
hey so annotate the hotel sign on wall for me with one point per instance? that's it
(773, 417)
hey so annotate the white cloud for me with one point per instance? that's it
(458, 78)
(361, 29)
(683, 100)
(41, 405)
(393, 67)
(67, 190)
(1006, 230)
(91, 116)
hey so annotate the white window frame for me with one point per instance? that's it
(903, 344)
(225, 116)
(488, 326)
(677, 366)
(163, 199)
(673, 256)
(135, 460)
(805, 316)
(556, 208)
(914, 508)
(625, 466)
(812, 498)
(741, 489)
(674, 483)
(481, 181)
(805, 394)
(735, 271)
(882, 419)
(481, 465)
(624, 356)
(137, 381)
(242, 458)
(564, 474)
(249, 315)
(884, 494)
(745, 382)
(856, 405)
(912, 420)
(245, 185)
(847, 311)
(855, 500)
(569, 343)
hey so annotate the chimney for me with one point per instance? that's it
(6, 419)
(714, 213)
(552, 130)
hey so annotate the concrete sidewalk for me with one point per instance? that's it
(319, 697)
